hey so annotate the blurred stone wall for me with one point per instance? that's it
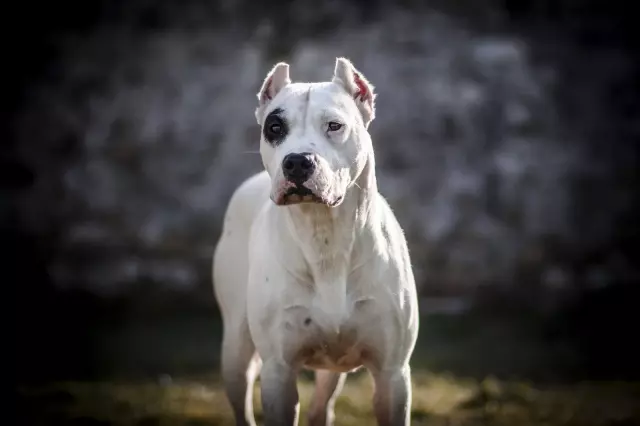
(138, 138)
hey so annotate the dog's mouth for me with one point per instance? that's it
(301, 194)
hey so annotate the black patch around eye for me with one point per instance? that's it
(275, 127)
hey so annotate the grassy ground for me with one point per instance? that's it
(438, 400)
(468, 370)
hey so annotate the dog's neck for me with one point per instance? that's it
(327, 237)
(326, 231)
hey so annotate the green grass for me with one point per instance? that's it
(438, 400)
(469, 370)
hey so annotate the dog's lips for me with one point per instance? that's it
(299, 194)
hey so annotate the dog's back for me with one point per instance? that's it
(230, 261)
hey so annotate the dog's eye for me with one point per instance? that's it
(334, 126)
(275, 128)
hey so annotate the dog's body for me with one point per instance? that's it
(320, 276)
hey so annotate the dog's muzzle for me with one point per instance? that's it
(298, 170)
(298, 185)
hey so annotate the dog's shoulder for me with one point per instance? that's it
(391, 233)
(386, 215)
(248, 199)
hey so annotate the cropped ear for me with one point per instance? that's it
(357, 86)
(277, 78)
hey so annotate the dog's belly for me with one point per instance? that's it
(319, 344)
(340, 353)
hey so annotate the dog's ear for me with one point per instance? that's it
(357, 86)
(277, 78)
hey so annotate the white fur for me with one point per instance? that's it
(311, 285)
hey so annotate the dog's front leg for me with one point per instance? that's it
(392, 398)
(280, 404)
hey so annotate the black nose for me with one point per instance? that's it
(298, 167)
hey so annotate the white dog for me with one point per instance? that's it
(312, 269)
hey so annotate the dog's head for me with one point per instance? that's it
(314, 141)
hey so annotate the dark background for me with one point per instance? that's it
(506, 141)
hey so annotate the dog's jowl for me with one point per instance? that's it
(312, 269)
